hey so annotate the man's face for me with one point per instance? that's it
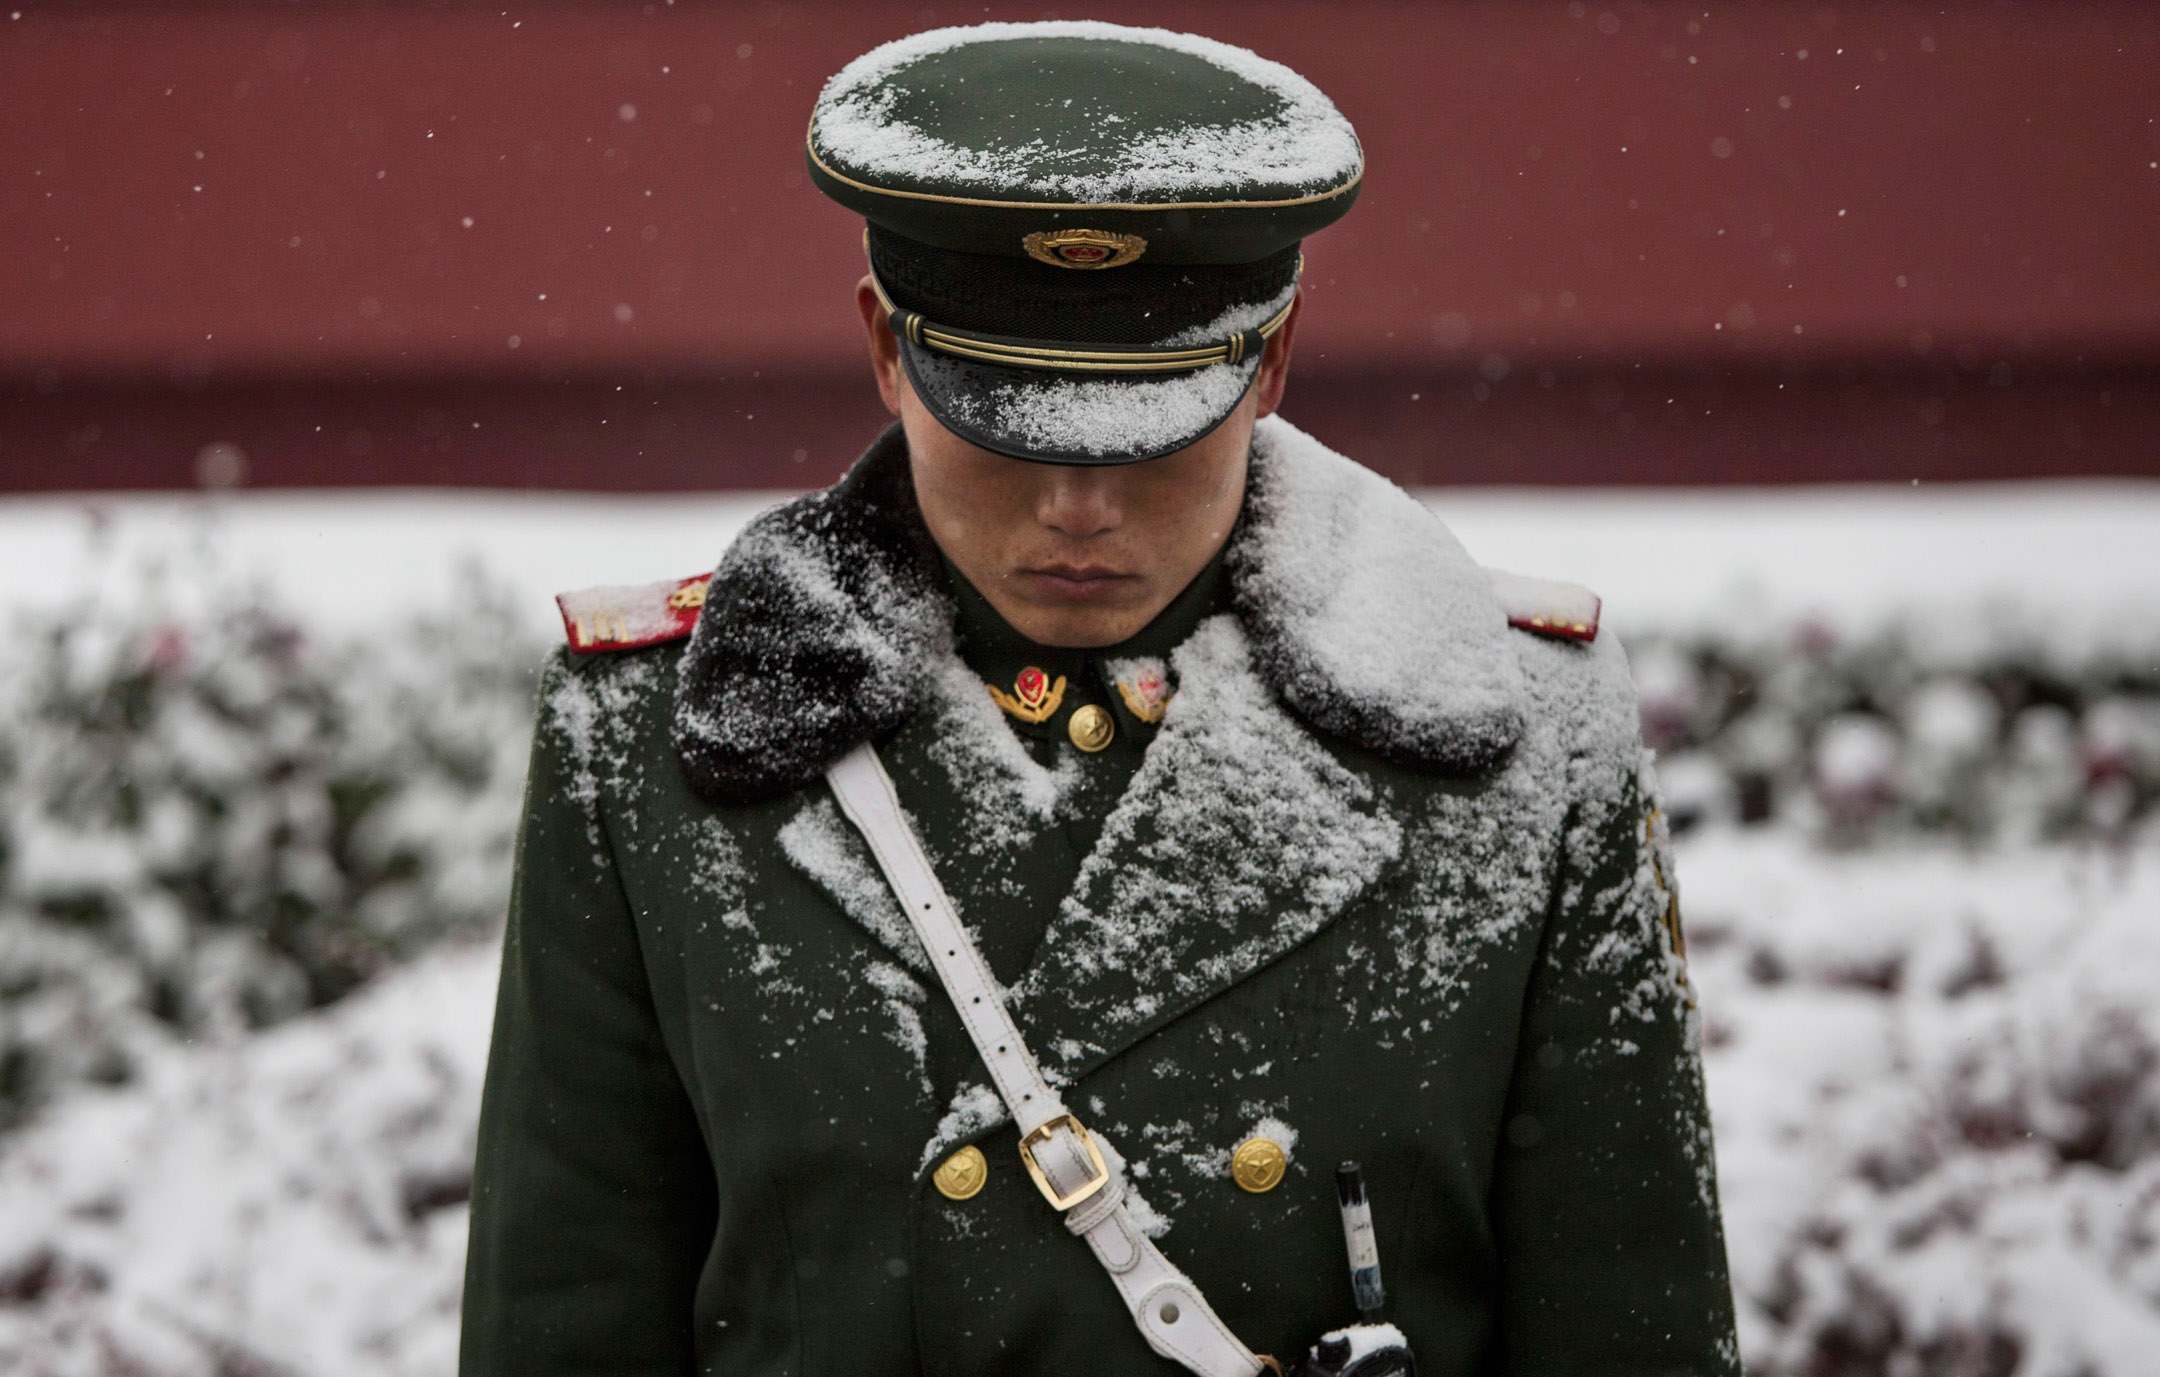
(1075, 556)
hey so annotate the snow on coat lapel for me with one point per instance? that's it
(1240, 837)
(827, 623)
(1359, 617)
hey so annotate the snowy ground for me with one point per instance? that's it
(1935, 1071)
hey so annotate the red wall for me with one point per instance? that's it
(1604, 242)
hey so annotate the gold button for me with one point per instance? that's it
(961, 1176)
(1258, 1164)
(1090, 728)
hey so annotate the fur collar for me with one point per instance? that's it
(827, 620)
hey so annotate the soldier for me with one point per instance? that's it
(1106, 766)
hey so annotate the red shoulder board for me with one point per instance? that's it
(1545, 607)
(628, 618)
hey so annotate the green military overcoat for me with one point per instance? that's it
(1388, 884)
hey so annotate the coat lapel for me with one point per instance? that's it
(1240, 838)
(827, 624)
(1001, 793)
(1358, 618)
(818, 842)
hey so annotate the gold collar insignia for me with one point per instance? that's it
(1034, 696)
(1144, 684)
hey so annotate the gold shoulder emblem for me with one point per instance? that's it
(631, 618)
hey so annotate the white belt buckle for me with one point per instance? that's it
(1042, 1183)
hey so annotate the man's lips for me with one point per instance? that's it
(1076, 583)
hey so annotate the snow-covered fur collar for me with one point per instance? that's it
(826, 621)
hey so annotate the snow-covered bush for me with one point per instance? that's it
(209, 814)
(1990, 737)
(1936, 1082)
(1917, 868)
(211, 820)
(286, 1204)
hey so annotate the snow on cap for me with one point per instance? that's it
(1169, 147)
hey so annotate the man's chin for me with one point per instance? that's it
(1080, 628)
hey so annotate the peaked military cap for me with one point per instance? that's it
(1085, 233)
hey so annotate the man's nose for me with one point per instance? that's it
(1078, 503)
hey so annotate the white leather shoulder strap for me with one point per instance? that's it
(1062, 1157)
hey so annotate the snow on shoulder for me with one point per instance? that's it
(872, 120)
(1547, 607)
(631, 617)
(1370, 617)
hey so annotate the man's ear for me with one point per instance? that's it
(1275, 363)
(885, 346)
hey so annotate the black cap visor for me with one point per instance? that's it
(1057, 418)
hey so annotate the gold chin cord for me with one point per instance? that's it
(1059, 357)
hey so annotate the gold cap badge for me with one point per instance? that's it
(1083, 248)
(961, 1176)
(1258, 1164)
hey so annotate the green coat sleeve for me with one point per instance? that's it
(592, 1206)
(1605, 1196)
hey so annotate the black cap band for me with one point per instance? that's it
(1061, 356)
(1137, 306)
